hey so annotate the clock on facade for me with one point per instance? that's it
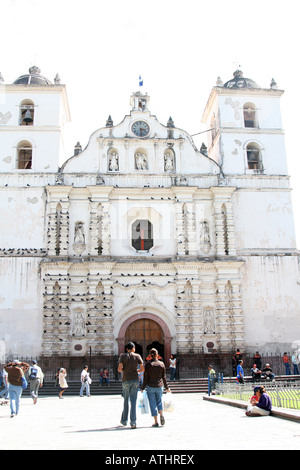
(140, 128)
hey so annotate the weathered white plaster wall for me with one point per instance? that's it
(264, 220)
(21, 306)
(271, 300)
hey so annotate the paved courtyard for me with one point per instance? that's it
(93, 424)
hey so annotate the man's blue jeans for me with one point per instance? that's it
(15, 393)
(155, 395)
(130, 391)
(85, 385)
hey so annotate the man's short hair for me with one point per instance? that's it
(129, 346)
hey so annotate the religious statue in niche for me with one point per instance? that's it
(113, 161)
(79, 233)
(209, 321)
(169, 161)
(79, 238)
(141, 161)
(78, 325)
(205, 244)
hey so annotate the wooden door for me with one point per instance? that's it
(144, 333)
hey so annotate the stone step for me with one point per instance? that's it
(115, 388)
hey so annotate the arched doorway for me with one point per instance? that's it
(166, 335)
(146, 334)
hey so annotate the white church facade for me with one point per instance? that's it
(141, 236)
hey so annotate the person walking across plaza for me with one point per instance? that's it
(15, 371)
(62, 381)
(36, 378)
(240, 372)
(85, 382)
(154, 382)
(128, 366)
(4, 392)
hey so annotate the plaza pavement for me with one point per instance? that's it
(93, 423)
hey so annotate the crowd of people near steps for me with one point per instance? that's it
(149, 377)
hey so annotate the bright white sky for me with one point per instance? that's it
(99, 49)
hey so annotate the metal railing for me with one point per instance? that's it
(283, 394)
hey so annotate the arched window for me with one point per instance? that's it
(26, 113)
(254, 159)
(250, 115)
(142, 235)
(24, 152)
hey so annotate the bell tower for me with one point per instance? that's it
(139, 101)
(33, 115)
(246, 134)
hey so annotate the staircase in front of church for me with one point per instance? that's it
(115, 388)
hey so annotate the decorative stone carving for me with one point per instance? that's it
(168, 161)
(79, 239)
(113, 161)
(209, 325)
(78, 323)
(205, 244)
(4, 118)
(141, 162)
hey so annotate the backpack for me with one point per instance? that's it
(33, 373)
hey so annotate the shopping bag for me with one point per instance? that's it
(168, 402)
(142, 402)
(24, 382)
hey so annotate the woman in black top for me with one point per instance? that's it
(154, 382)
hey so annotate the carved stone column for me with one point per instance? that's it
(224, 222)
(230, 322)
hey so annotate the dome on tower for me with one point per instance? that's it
(34, 77)
(239, 81)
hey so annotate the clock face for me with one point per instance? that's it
(140, 128)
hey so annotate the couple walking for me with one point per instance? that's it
(154, 381)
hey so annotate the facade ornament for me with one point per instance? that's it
(109, 122)
(57, 80)
(141, 161)
(209, 325)
(99, 180)
(219, 82)
(59, 179)
(79, 328)
(273, 85)
(205, 244)
(170, 122)
(113, 160)
(79, 239)
(169, 161)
